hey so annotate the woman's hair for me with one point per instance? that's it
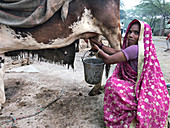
(138, 23)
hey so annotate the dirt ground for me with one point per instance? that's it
(27, 93)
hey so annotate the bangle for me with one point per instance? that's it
(98, 51)
(101, 46)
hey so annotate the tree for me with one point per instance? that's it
(122, 12)
(155, 11)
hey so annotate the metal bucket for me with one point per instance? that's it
(93, 69)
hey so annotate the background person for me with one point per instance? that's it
(168, 42)
(122, 28)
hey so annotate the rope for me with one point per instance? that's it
(13, 119)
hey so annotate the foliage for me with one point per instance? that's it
(122, 14)
(151, 12)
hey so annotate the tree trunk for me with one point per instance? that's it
(161, 26)
(163, 31)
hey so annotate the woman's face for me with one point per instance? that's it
(133, 35)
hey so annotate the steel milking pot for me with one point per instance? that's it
(93, 69)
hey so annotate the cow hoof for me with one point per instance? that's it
(93, 93)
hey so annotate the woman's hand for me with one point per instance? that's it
(94, 48)
(92, 40)
(95, 44)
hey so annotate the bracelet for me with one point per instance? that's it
(98, 51)
(101, 46)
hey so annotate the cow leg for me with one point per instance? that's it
(2, 72)
(77, 45)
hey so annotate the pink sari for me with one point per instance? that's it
(137, 99)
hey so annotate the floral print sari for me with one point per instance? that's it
(137, 99)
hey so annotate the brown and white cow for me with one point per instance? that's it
(86, 18)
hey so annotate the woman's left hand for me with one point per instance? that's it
(94, 48)
(92, 40)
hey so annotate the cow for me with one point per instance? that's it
(85, 19)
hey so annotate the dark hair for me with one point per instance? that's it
(135, 23)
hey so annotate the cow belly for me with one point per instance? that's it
(11, 41)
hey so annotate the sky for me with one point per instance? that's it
(128, 4)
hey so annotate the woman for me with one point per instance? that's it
(136, 93)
